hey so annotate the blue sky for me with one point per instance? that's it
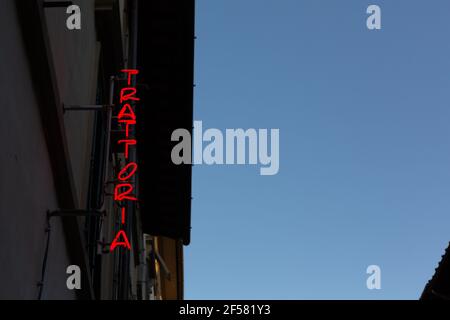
(364, 119)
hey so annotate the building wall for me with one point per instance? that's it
(171, 251)
(75, 56)
(27, 180)
(26, 186)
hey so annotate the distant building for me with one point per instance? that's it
(438, 288)
(61, 157)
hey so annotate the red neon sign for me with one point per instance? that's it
(124, 189)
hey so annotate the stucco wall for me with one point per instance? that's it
(26, 185)
(75, 56)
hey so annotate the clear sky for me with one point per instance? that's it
(364, 119)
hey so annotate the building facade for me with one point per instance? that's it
(63, 152)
